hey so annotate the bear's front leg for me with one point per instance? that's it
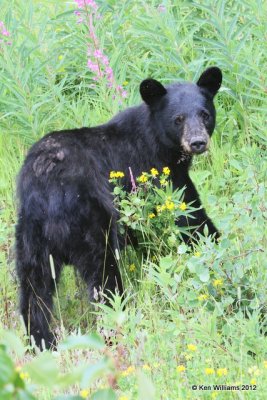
(200, 219)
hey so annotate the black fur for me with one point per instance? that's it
(66, 205)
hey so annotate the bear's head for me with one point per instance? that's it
(183, 114)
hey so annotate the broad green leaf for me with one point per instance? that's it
(13, 342)
(7, 372)
(146, 389)
(166, 262)
(95, 371)
(92, 341)
(43, 370)
(204, 275)
(104, 394)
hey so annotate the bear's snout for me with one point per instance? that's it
(195, 138)
(198, 145)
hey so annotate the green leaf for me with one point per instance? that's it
(92, 341)
(7, 373)
(71, 377)
(227, 301)
(43, 370)
(203, 273)
(182, 249)
(192, 265)
(117, 190)
(24, 395)
(234, 163)
(104, 394)
(146, 388)
(166, 262)
(206, 231)
(94, 371)
(13, 342)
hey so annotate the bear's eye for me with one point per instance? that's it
(205, 116)
(180, 118)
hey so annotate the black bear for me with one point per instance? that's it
(66, 203)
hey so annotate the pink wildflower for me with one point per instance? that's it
(4, 32)
(161, 8)
(105, 60)
(98, 62)
(85, 3)
(98, 53)
(92, 66)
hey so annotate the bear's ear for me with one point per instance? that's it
(211, 79)
(151, 90)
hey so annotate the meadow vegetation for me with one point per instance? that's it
(192, 317)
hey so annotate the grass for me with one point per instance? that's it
(191, 318)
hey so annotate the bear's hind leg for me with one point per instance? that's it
(35, 307)
(99, 269)
(36, 288)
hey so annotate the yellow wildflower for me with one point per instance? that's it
(128, 371)
(123, 398)
(143, 178)
(265, 363)
(197, 254)
(151, 216)
(166, 171)
(146, 367)
(217, 282)
(24, 375)
(84, 393)
(154, 172)
(116, 174)
(209, 371)
(60, 57)
(191, 347)
(160, 208)
(222, 371)
(169, 205)
(183, 206)
(132, 268)
(203, 297)
(125, 83)
(253, 381)
(180, 368)
(214, 395)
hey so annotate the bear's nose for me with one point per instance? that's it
(198, 145)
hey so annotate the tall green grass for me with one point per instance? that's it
(45, 85)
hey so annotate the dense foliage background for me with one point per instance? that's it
(191, 318)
